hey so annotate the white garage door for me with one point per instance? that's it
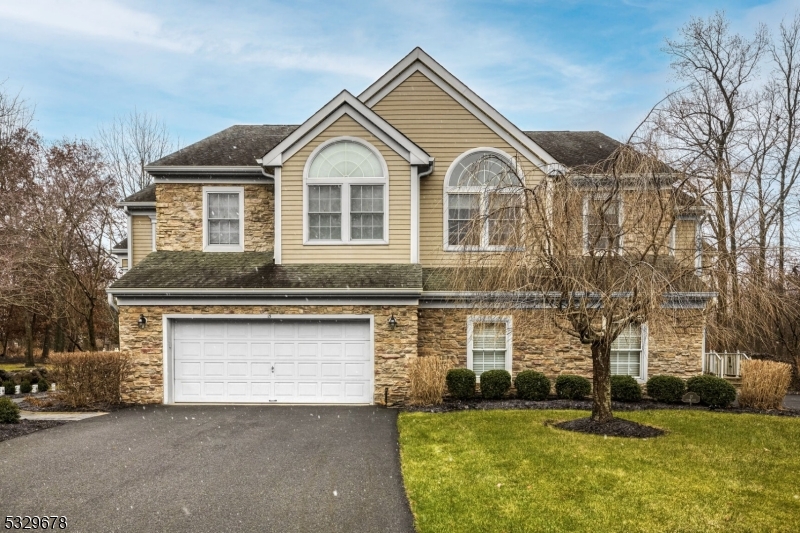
(263, 361)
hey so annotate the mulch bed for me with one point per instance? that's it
(582, 405)
(23, 427)
(616, 427)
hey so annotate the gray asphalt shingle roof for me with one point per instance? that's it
(238, 145)
(148, 194)
(575, 148)
(255, 270)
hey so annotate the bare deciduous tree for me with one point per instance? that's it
(588, 252)
(129, 143)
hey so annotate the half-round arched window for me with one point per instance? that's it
(346, 186)
(482, 201)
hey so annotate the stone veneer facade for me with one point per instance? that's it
(674, 349)
(179, 209)
(393, 349)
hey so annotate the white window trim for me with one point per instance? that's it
(673, 238)
(483, 205)
(620, 221)
(481, 319)
(223, 247)
(644, 355)
(345, 199)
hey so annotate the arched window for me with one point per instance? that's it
(482, 201)
(346, 194)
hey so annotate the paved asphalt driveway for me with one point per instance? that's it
(213, 468)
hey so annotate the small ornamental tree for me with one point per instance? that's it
(586, 251)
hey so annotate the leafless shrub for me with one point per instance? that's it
(427, 376)
(85, 379)
(764, 384)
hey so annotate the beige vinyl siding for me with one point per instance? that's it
(445, 129)
(142, 238)
(399, 248)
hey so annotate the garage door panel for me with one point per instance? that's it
(214, 369)
(261, 330)
(285, 330)
(284, 360)
(238, 369)
(307, 370)
(332, 370)
(238, 389)
(308, 349)
(261, 370)
(213, 349)
(214, 330)
(188, 348)
(355, 370)
(285, 349)
(214, 389)
(238, 330)
(260, 349)
(191, 389)
(188, 369)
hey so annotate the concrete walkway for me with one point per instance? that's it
(65, 417)
(792, 401)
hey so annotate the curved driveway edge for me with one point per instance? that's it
(213, 468)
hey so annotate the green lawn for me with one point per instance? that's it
(13, 367)
(506, 471)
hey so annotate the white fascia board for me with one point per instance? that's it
(199, 170)
(419, 60)
(320, 291)
(362, 114)
(135, 205)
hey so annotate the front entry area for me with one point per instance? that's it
(271, 360)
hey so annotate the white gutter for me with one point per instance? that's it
(249, 169)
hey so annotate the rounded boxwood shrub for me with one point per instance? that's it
(495, 384)
(532, 385)
(625, 389)
(667, 389)
(713, 391)
(44, 386)
(9, 411)
(9, 385)
(570, 387)
(461, 383)
(25, 387)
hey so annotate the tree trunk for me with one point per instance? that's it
(29, 326)
(601, 382)
(58, 341)
(46, 341)
(90, 329)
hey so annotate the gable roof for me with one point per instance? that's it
(235, 147)
(181, 272)
(419, 61)
(345, 104)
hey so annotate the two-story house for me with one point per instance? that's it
(276, 263)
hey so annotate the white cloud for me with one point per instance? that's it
(103, 19)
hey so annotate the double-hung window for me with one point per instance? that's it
(601, 214)
(483, 202)
(488, 344)
(628, 352)
(223, 219)
(346, 187)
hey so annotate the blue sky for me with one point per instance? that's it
(202, 66)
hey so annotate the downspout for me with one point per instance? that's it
(429, 171)
(112, 304)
